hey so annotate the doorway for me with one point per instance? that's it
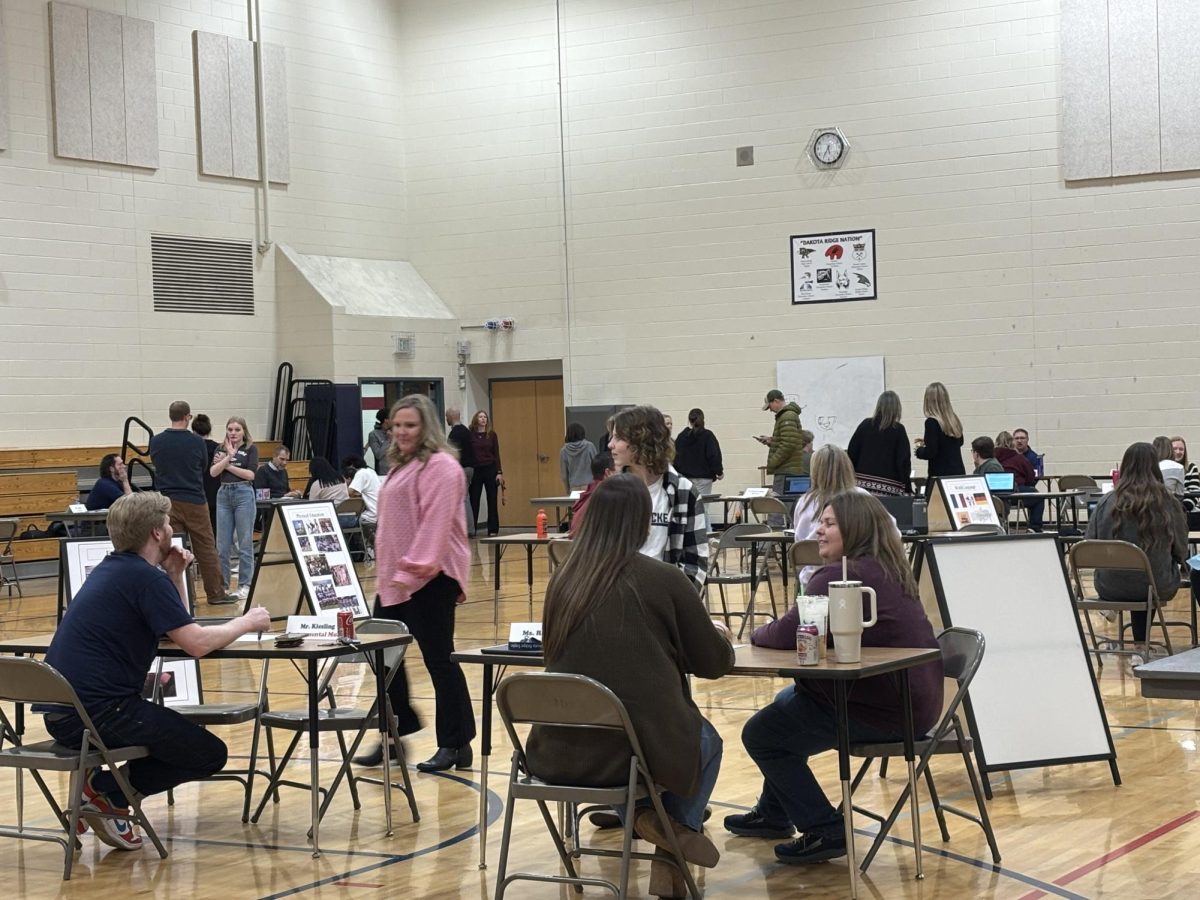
(381, 393)
(529, 420)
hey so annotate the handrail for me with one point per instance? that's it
(283, 390)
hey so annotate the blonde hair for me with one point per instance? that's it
(1004, 439)
(832, 473)
(132, 517)
(433, 439)
(937, 407)
(247, 441)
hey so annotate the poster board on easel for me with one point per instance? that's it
(958, 501)
(306, 562)
(77, 557)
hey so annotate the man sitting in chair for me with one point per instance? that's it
(104, 648)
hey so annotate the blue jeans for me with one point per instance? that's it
(780, 739)
(689, 810)
(179, 750)
(235, 512)
(1036, 511)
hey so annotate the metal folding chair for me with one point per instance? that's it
(559, 551)
(721, 574)
(353, 506)
(576, 702)
(8, 531)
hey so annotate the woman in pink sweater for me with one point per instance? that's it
(421, 571)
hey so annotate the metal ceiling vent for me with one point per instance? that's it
(202, 275)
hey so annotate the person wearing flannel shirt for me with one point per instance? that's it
(641, 444)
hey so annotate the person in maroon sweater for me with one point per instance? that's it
(488, 475)
(801, 721)
(602, 469)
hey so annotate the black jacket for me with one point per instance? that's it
(697, 454)
(460, 438)
(884, 454)
(944, 453)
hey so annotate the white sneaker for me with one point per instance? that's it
(1136, 659)
(243, 592)
(1109, 614)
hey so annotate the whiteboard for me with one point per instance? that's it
(1034, 698)
(834, 395)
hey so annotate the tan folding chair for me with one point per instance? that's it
(722, 573)
(24, 680)
(1120, 556)
(962, 651)
(1079, 483)
(353, 506)
(8, 531)
(804, 553)
(586, 706)
(559, 551)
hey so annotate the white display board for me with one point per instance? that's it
(1034, 701)
(833, 394)
(322, 558)
(965, 499)
(833, 267)
(82, 556)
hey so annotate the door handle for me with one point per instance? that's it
(542, 457)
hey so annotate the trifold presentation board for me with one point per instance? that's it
(1034, 701)
(305, 561)
(958, 501)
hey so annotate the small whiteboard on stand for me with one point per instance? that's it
(1034, 701)
(834, 394)
(306, 558)
(958, 501)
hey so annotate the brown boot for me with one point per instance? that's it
(695, 845)
(666, 880)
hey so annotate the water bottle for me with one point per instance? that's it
(541, 523)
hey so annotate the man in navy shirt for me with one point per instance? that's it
(104, 647)
(112, 484)
(1037, 511)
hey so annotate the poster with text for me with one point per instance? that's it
(968, 501)
(323, 558)
(831, 268)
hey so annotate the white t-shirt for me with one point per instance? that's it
(366, 482)
(660, 518)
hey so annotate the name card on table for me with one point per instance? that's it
(324, 626)
(77, 507)
(753, 493)
(525, 636)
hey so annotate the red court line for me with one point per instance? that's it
(1124, 849)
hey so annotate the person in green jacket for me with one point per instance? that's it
(786, 443)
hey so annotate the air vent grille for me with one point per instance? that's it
(202, 275)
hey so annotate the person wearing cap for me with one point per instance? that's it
(786, 443)
(378, 442)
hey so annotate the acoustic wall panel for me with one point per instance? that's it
(104, 89)
(1087, 139)
(227, 108)
(1179, 84)
(1133, 86)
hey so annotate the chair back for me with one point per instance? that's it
(962, 652)
(559, 551)
(981, 528)
(1120, 555)
(1077, 482)
(8, 531)
(729, 537)
(391, 655)
(770, 506)
(25, 680)
(351, 506)
(804, 553)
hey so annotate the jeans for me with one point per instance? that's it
(689, 810)
(429, 615)
(235, 512)
(780, 738)
(179, 750)
(1037, 511)
(705, 486)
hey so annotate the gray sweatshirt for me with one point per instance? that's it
(575, 463)
(1113, 584)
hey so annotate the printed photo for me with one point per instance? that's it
(317, 564)
(313, 527)
(305, 544)
(326, 594)
(326, 526)
(964, 518)
(169, 690)
(298, 527)
(328, 543)
(341, 575)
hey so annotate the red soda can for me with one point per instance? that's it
(345, 624)
(808, 644)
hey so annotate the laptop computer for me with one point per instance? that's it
(1001, 482)
(796, 485)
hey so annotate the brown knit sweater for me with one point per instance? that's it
(640, 643)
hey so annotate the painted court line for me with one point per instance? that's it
(1123, 850)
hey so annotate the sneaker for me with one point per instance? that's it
(1109, 614)
(243, 592)
(229, 598)
(96, 809)
(1136, 659)
(813, 847)
(754, 824)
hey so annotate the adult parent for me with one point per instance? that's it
(1021, 445)
(422, 566)
(104, 647)
(1024, 475)
(633, 624)
(942, 444)
(488, 475)
(879, 449)
(602, 469)
(1191, 472)
(1142, 511)
(202, 425)
(180, 461)
(786, 456)
(640, 444)
(235, 465)
(801, 721)
(112, 484)
(698, 454)
(1172, 471)
(272, 475)
(575, 458)
(983, 455)
(460, 439)
(378, 442)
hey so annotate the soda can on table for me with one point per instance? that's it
(345, 624)
(808, 644)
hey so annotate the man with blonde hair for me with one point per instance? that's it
(104, 647)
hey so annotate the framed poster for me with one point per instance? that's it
(963, 500)
(77, 557)
(322, 558)
(178, 682)
(833, 268)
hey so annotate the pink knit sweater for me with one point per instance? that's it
(421, 529)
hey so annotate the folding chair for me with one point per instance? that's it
(559, 551)
(962, 651)
(353, 506)
(8, 531)
(24, 680)
(721, 575)
(342, 719)
(1079, 483)
(1121, 556)
(580, 703)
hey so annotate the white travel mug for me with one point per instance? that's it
(846, 618)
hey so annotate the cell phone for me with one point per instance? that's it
(290, 639)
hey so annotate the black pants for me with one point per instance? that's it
(179, 750)
(484, 478)
(429, 615)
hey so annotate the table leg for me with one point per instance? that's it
(529, 575)
(914, 806)
(314, 748)
(485, 751)
(497, 549)
(381, 707)
(783, 564)
(843, 727)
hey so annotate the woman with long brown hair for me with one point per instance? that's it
(488, 475)
(634, 624)
(942, 444)
(1142, 511)
(880, 451)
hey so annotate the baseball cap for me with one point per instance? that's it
(772, 395)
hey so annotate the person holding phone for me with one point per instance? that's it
(234, 465)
